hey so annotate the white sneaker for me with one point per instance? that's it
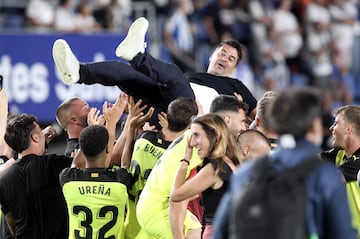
(134, 41)
(66, 62)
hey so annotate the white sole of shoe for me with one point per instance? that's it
(66, 62)
(134, 42)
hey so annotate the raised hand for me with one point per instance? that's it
(140, 119)
(148, 127)
(239, 97)
(135, 108)
(3, 112)
(163, 121)
(189, 149)
(50, 133)
(112, 112)
(95, 118)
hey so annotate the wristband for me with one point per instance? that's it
(186, 161)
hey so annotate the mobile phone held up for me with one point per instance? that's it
(1, 82)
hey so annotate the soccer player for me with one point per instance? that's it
(149, 147)
(96, 196)
(71, 115)
(154, 206)
(296, 118)
(346, 154)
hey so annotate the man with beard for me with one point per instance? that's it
(155, 82)
(71, 115)
(346, 154)
(295, 115)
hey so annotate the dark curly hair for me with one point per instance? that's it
(93, 140)
(18, 131)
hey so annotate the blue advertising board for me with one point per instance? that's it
(32, 81)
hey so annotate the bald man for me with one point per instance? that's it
(253, 144)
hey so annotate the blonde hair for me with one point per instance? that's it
(351, 114)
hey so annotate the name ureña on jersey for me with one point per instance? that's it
(95, 189)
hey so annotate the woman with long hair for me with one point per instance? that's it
(217, 147)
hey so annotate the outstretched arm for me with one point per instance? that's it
(112, 114)
(95, 118)
(78, 159)
(3, 116)
(135, 122)
(4, 167)
(4, 148)
(134, 109)
(163, 121)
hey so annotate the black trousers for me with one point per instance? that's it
(155, 82)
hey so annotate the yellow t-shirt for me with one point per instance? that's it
(96, 201)
(353, 194)
(147, 151)
(153, 205)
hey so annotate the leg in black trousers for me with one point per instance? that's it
(155, 82)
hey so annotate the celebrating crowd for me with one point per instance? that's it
(190, 149)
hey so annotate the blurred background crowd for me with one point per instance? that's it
(287, 42)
